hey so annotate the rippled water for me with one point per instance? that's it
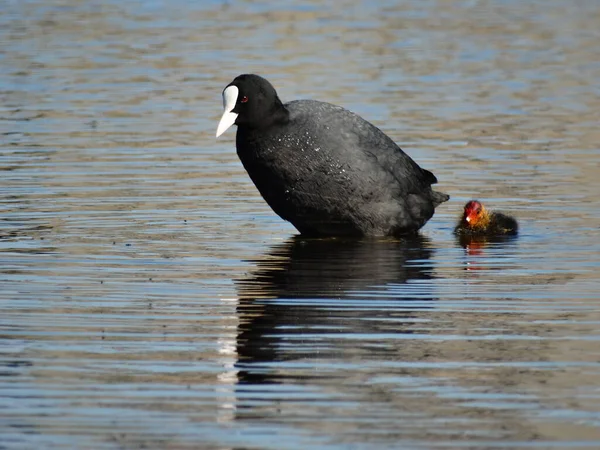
(150, 299)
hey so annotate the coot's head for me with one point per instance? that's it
(475, 215)
(251, 101)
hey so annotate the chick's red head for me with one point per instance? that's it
(474, 212)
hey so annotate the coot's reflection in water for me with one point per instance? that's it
(316, 298)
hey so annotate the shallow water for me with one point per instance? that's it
(149, 297)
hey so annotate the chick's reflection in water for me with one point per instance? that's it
(479, 250)
(316, 298)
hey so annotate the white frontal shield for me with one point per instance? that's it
(230, 96)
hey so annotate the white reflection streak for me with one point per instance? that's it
(227, 379)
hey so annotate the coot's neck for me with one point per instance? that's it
(277, 115)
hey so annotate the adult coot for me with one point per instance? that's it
(478, 221)
(323, 168)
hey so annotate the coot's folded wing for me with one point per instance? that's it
(350, 137)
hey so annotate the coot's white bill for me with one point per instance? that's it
(230, 95)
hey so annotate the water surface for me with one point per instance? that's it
(150, 298)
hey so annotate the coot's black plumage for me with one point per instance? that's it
(323, 168)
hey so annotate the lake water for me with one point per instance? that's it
(149, 298)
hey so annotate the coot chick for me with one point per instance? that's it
(323, 168)
(478, 221)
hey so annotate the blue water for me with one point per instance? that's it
(150, 298)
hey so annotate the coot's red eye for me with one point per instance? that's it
(244, 99)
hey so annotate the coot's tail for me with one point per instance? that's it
(438, 198)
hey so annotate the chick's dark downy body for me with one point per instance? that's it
(499, 224)
(328, 171)
(478, 221)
